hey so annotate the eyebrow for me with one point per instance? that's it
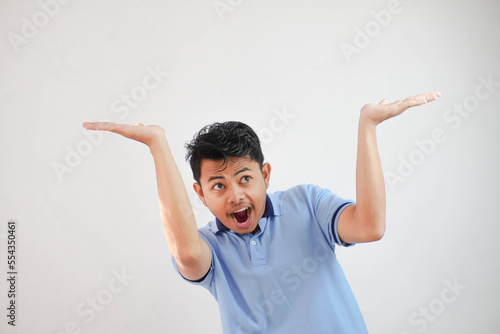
(244, 169)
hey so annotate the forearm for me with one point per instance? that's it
(365, 221)
(370, 188)
(175, 207)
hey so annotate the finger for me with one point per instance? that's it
(418, 100)
(428, 97)
(108, 126)
(139, 124)
(433, 96)
(384, 101)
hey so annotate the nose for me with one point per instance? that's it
(235, 195)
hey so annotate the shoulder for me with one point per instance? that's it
(302, 192)
(298, 197)
(310, 197)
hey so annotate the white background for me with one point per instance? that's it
(79, 226)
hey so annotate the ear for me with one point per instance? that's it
(199, 191)
(266, 172)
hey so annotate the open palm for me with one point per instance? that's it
(139, 132)
(378, 113)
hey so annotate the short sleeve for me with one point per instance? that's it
(335, 221)
(327, 208)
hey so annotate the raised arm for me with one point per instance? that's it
(365, 221)
(191, 252)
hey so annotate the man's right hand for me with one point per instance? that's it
(192, 254)
(149, 135)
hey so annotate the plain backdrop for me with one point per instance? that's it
(91, 251)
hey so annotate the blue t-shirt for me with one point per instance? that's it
(285, 278)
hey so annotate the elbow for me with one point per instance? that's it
(187, 258)
(377, 234)
(369, 224)
(377, 231)
(193, 262)
(374, 231)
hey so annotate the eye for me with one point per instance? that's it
(218, 186)
(245, 179)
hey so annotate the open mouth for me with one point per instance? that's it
(241, 217)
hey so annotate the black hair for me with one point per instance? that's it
(218, 141)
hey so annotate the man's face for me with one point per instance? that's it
(236, 194)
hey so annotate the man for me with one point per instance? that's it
(268, 259)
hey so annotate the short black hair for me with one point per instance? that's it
(218, 141)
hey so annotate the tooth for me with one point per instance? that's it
(241, 210)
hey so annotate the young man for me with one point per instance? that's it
(268, 259)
